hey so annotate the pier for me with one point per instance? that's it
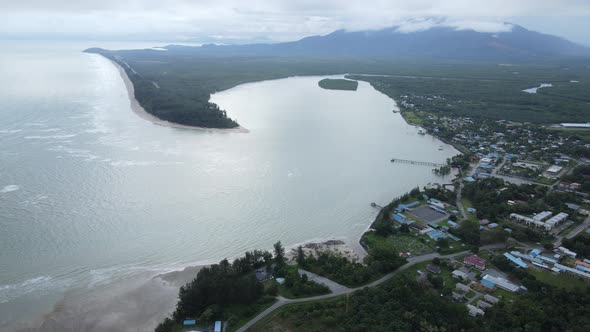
(415, 162)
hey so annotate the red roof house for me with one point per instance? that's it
(475, 261)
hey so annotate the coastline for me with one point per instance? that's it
(142, 113)
(137, 303)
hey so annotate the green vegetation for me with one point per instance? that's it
(487, 91)
(339, 269)
(176, 85)
(399, 305)
(231, 292)
(338, 84)
(579, 244)
(561, 280)
(298, 286)
(399, 242)
(581, 175)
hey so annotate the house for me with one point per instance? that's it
(491, 299)
(572, 206)
(484, 222)
(459, 275)
(462, 287)
(483, 304)
(280, 281)
(433, 268)
(457, 297)
(262, 275)
(473, 311)
(475, 261)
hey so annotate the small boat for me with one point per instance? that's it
(421, 132)
(395, 111)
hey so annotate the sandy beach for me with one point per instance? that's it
(141, 112)
(134, 304)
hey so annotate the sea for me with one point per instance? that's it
(91, 193)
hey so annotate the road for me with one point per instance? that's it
(412, 261)
(578, 229)
(459, 204)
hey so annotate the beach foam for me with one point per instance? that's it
(9, 188)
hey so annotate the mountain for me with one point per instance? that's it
(437, 42)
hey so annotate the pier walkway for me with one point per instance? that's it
(415, 162)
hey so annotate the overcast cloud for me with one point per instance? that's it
(279, 19)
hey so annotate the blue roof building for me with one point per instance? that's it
(217, 327)
(189, 322)
(519, 262)
(488, 283)
(535, 252)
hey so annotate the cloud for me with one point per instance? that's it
(262, 19)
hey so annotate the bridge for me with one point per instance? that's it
(415, 162)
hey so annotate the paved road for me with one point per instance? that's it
(334, 286)
(412, 261)
(578, 229)
(459, 204)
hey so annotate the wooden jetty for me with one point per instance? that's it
(415, 162)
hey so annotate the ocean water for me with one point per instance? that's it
(90, 192)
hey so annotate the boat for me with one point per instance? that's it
(421, 132)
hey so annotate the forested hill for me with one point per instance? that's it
(518, 44)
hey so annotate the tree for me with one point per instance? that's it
(279, 258)
(300, 256)
(443, 243)
(404, 228)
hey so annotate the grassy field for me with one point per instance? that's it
(582, 133)
(400, 242)
(562, 280)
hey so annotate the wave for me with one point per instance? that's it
(6, 131)
(51, 136)
(12, 291)
(9, 188)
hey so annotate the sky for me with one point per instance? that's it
(231, 21)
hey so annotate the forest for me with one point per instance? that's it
(338, 84)
(232, 293)
(176, 85)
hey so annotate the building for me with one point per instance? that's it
(515, 260)
(433, 268)
(541, 216)
(575, 125)
(554, 170)
(459, 275)
(475, 261)
(574, 271)
(487, 284)
(567, 252)
(473, 311)
(457, 297)
(462, 287)
(217, 326)
(484, 222)
(262, 275)
(483, 305)
(569, 186)
(502, 283)
(491, 299)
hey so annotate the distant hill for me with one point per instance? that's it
(390, 43)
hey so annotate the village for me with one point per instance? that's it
(525, 163)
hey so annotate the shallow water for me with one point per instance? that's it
(91, 193)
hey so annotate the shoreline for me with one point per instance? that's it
(142, 113)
